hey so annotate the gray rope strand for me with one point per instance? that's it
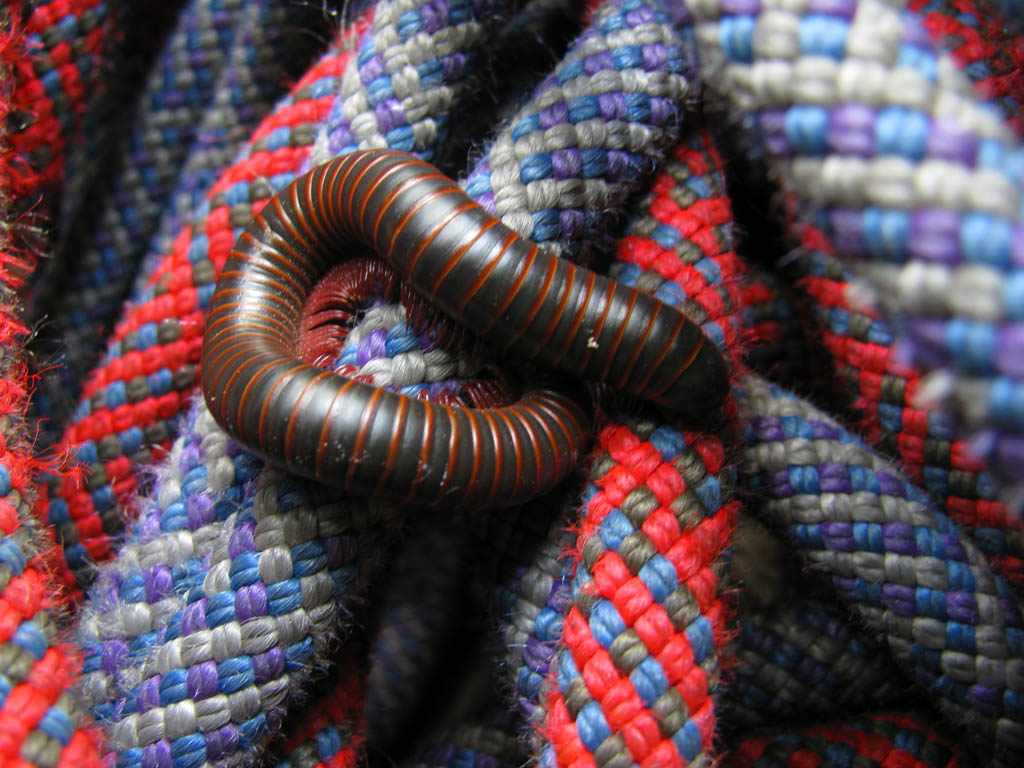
(802, 659)
(901, 566)
(407, 78)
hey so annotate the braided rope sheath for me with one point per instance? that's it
(56, 81)
(890, 152)
(131, 401)
(884, 390)
(202, 633)
(220, 71)
(983, 49)
(414, 63)
(131, 50)
(637, 666)
(801, 661)
(900, 565)
(146, 613)
(681, 249)
(875, 388)
(42, 724)
(906, 740)
(385, 350)
(128, 731)
(592, 129)
(157, 573)
(219, 57)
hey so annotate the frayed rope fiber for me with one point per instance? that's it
(179, 731)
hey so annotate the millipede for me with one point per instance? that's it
(352, 286)
(525, 302)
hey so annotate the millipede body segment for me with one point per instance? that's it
(525, 302)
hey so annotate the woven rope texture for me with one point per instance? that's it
(688, 203)
(201, 634)
(895, 739)
(41, 721)
(221, 70)
(898, 563)
(238, 616)
(891, 153)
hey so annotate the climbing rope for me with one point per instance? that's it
(901, 565)
(238, 585)
(885, 148)
(220, 72)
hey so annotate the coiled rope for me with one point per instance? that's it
(135, 738)
(172, 520)
(898, 562)
(219, 73)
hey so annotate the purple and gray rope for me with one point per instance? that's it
(901, 566)
(132, 648)
(416, 61)
(804, 661)
(236, 585)
(596, 125)
(887, 149)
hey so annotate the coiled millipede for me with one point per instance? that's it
(526, 303)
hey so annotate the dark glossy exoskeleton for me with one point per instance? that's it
(525, 302)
